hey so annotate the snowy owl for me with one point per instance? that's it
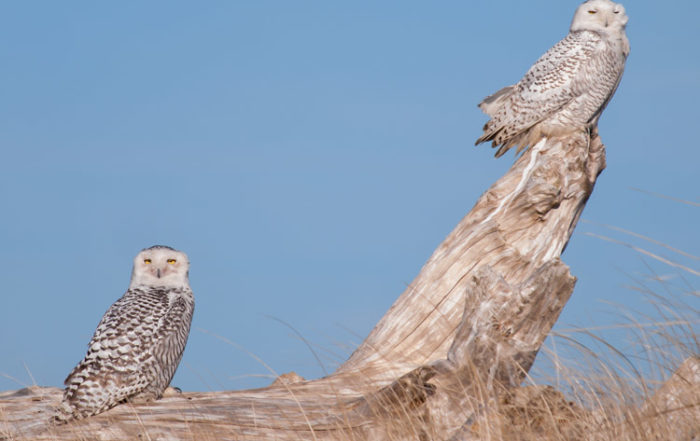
(567, 89)
(140, 340)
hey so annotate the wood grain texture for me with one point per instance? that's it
(467, 328)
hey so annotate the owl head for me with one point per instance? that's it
(601, 16)
(160, 266)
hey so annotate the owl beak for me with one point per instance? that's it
(158, 273)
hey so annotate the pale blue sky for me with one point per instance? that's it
(308, 156)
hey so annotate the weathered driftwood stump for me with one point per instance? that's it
(466, 330)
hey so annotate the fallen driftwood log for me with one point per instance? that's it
(464, 332)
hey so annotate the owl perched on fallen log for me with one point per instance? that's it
(566, 90)
(139, 342)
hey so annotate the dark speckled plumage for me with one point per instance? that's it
(568, 88)
(136, 347)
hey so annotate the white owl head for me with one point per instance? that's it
(602, 16)
(160, 266)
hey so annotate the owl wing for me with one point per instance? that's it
(118, 351)
(172, 333)
(551, 83)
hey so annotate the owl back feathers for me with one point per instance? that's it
(133, 354)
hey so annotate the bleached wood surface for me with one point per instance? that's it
(468, 326)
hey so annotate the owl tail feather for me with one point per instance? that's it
(63, 414)
(492, 103)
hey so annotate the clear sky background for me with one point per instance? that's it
(309, 157)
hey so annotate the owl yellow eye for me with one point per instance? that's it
(171, 261)
(592, 12)
(147, 261)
